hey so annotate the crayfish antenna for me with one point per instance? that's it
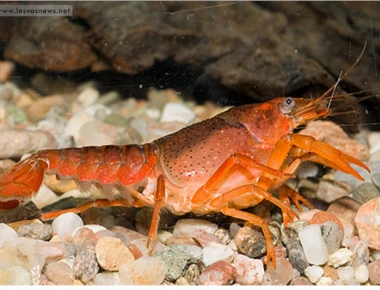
(22, 181)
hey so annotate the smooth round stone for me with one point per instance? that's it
(107, 278)
(66, 223)
(279, 276)
(223, 235)
(375, 178)
(111, 253)
(313, 244)
(297, 256)
(6, 234)
(360, 254)
(374, 272)
(219, 273)
(361, 274)
(368, 223)
(333, 236)
(248, 271)
(59, 273)
(314, 273)
(188, 226)
(346, 273)
(250, 242)
(365, 192)
(85, 264)
(144, 271)
(340, 257)
(177, 112)
(215, 252)
(14, 275)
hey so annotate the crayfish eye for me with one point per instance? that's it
(287, 105)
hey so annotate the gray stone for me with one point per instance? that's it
(375, 178)
(177, 257)
(333, 236)
(85, 264)
(297, 256)
(365, 192)
(36, 231)
(360, 254)
(329, 190)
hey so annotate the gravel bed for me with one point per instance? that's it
(335, 243)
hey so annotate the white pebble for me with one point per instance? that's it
(14, 275)
(375, 255)
(340, 257)
(248, 271)
(87, 97)
(361, 273)
(313, 244)
(6, 234)
(144, 271)
(325, 281)
(314, 273)
(214, 252)
(188, 226)
(346, 273)
(374, 141)
(66, 223)
(177, 112)
(107, 278)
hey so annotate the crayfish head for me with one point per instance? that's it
(300, 111)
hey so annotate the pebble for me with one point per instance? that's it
(346, 273)
(365, 192)
(325, 281)
(248, 271)
(300, 281)
(360, 254)
(331, 272)
(340, 257)
(333, 236)
(314, 273)
(375, 178)
(177, 257)
(6, 69)
(188, 226)
(361, 274)
(36, 230)
(313, 244)
(373, 141)
(219, 273)
(40, 107)
(329, 190)
(6, 234)
(223, 236)
(82, 234)
(144, 271)
(368, 223)
(177, 112)
(279, 276)
(14, 275)
(203, 238)
(345, 209)
(107, 278)
(234, 229)
(181, 239)
(250, 242)
(163, 236)
(59, 273)
(85, 264)
(111, 253)
(374, 272)
(297, 256)
(181, 281)
(214, 252)
(66, 223)
(192, 274)
(307, 169)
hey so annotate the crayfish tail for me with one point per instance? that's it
(22, 181)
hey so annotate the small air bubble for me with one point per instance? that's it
(141, 86)
(296, 50)
(366, 112)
